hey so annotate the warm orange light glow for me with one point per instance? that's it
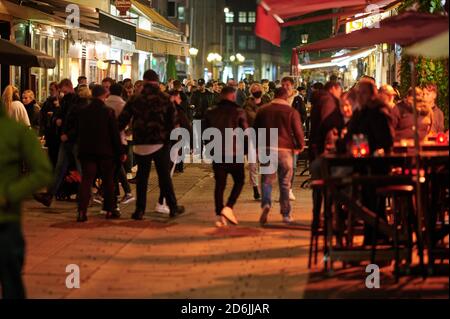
(441, 138)
(363, 151)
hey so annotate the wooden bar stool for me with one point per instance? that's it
(402, 210)
(317, 229)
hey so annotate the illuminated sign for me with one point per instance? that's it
(123, 6)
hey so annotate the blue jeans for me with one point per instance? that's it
(294, 168)
(284, 172)
(66, 150)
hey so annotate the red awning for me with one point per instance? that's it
(271, 13)
(404, 29)
(294, 8)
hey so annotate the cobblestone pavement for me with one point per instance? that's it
(188, 257)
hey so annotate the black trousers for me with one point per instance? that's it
(90, 169)
(12, 254)
(163, 165)
(221, 171)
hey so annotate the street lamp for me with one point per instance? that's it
(226, 10)
(193, 53)
(213, 58)
(236, 58)
(240, 58)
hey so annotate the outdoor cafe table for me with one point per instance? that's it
(429, 161)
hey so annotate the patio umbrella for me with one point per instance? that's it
(404, 29)
(12, 53)
(433, 48)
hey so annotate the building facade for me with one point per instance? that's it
(261, 59)
(106, 42)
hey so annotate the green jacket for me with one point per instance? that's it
(18, 146)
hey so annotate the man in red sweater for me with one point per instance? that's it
(280, 115)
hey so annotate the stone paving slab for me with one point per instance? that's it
(188, 257)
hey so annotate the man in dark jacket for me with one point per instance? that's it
(99, 150)
(373, 121)
(280, 115)
(153, 120)
(65, 120)
(48, 128)
(227, 115)
(241, 96)
(202, 99)
(324, 103)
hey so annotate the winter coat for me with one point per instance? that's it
(152, 115)
(19, 145)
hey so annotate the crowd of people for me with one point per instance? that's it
(95, 134)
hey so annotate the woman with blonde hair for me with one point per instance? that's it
(13, 106)
(33, 109)
(84, 92)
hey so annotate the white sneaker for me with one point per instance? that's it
(162, 209)
(264, 214)
(227, 212)
(291, 195)
(127, 198)
(221, 222)
(97, 199)
(288, 219)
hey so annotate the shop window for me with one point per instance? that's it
(242, 17)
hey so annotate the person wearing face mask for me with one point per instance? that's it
(251, 106)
